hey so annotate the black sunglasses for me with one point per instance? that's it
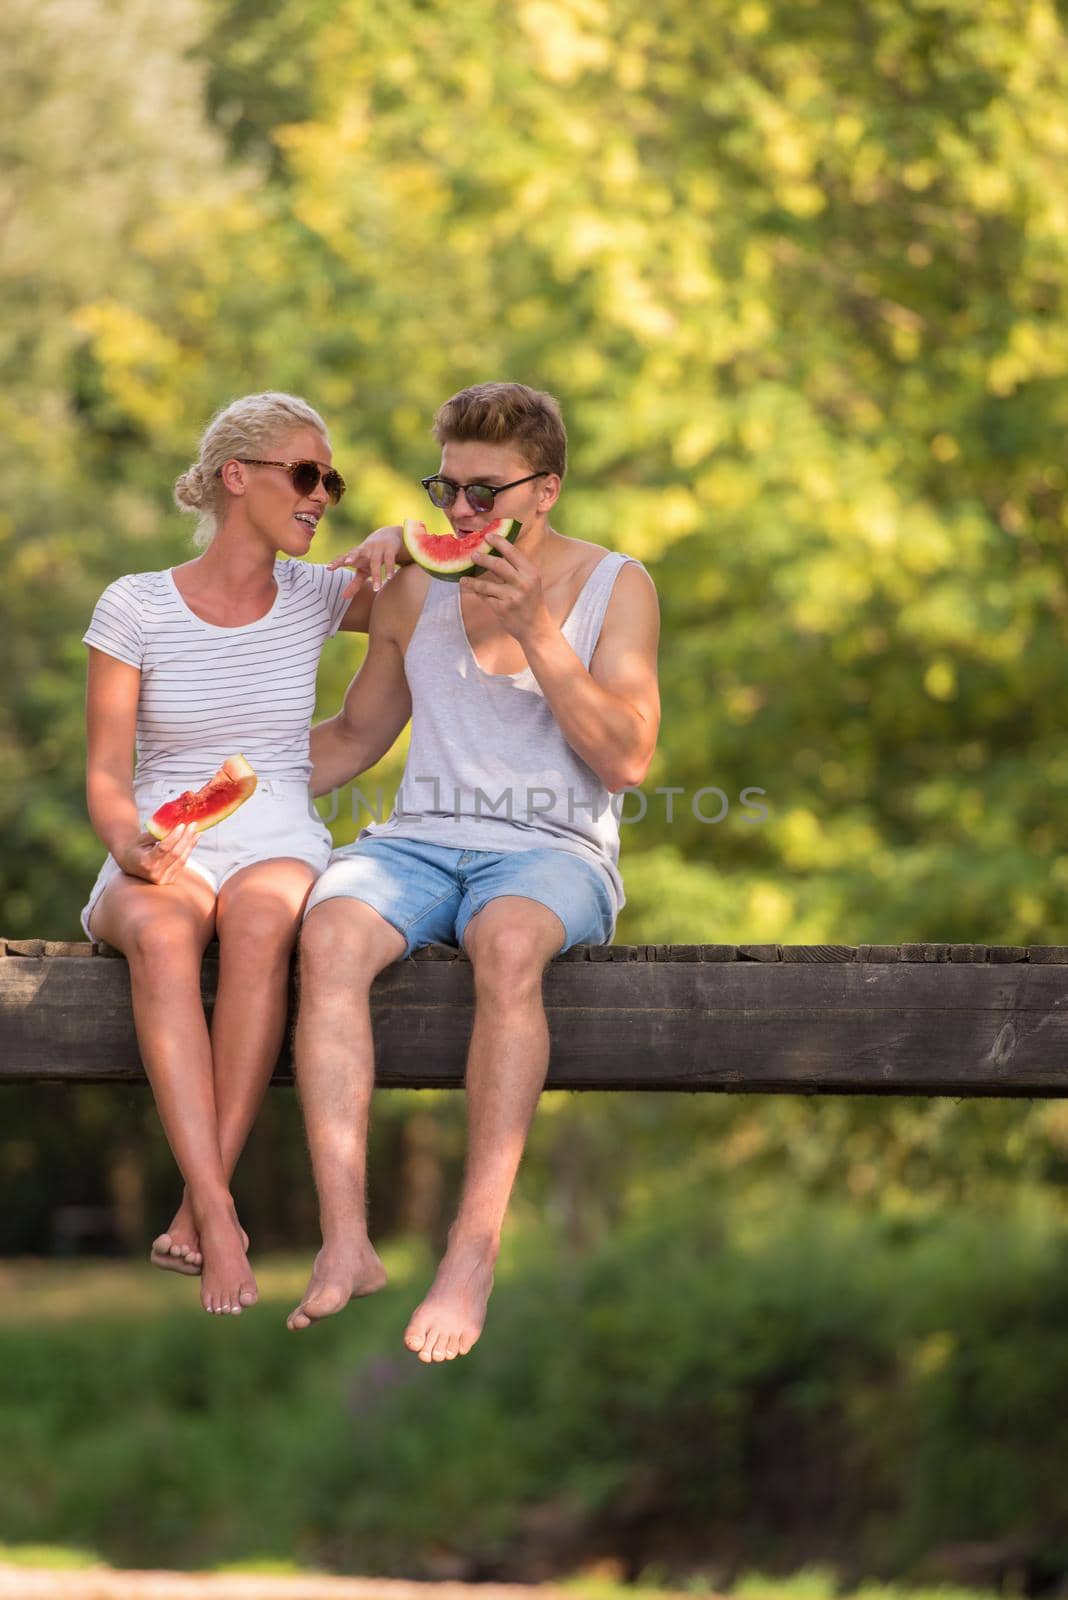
(480, 496)
(305, 476)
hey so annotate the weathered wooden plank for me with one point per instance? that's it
(818, 952)
(1046, 955)
(924, 952)
(761, 1026)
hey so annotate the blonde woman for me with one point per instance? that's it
(196, 663)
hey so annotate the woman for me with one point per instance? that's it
(197, 663)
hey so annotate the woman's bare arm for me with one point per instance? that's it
(111, 723)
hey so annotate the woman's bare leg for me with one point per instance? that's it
(162, 930)
(257, 920)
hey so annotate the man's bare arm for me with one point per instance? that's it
(609, 715)
(376, 707)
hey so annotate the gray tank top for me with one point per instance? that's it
(488, 767)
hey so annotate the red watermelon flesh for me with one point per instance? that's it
(221, 795)
(448, 555)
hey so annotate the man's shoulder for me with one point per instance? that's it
(587, 555)
(633, 610)
(632, 581)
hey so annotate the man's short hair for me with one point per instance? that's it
(507, 413)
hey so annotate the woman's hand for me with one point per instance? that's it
(376, 559)
(159, 860)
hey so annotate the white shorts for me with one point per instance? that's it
(278, 819)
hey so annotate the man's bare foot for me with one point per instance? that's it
(448, 1322)
(178, 1248)
(341, 1273)
(227, 1285)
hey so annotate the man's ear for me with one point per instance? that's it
(549, 493)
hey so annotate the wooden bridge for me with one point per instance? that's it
(938, 1019)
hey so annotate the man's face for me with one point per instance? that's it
(492, 464)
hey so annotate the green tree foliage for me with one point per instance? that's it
(797, 275)
(104, 139)
(797, 272)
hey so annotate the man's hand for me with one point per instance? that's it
(375, 560)
(512, 589)
(159, 860)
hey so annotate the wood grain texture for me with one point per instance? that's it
(818, 1021)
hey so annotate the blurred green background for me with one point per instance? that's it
(797, 271)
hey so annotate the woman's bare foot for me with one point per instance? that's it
(227, 1284)
(178, 1248)
(448, 1322)
(341, 1273)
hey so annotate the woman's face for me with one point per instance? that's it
(285, 518)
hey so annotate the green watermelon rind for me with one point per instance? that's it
(241, 782)
(452, 572)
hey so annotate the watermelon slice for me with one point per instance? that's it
(221, 795)
(448, 555)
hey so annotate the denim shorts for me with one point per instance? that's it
(276, 820)
(430, 892)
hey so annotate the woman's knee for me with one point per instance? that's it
(163, 940)
(258, 933)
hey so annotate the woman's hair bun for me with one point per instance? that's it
(189, 489)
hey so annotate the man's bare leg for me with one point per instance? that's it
(510, 941)
(256, 918)
(344, 945)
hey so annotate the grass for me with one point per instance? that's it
(812, 1384)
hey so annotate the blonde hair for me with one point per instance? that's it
(507, 413)
(246, 427)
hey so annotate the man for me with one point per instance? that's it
(532, 691)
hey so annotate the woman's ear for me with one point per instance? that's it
(234, 476)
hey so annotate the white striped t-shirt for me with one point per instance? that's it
(209, 692)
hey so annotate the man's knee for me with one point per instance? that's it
(510, 947)
(344, 941)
